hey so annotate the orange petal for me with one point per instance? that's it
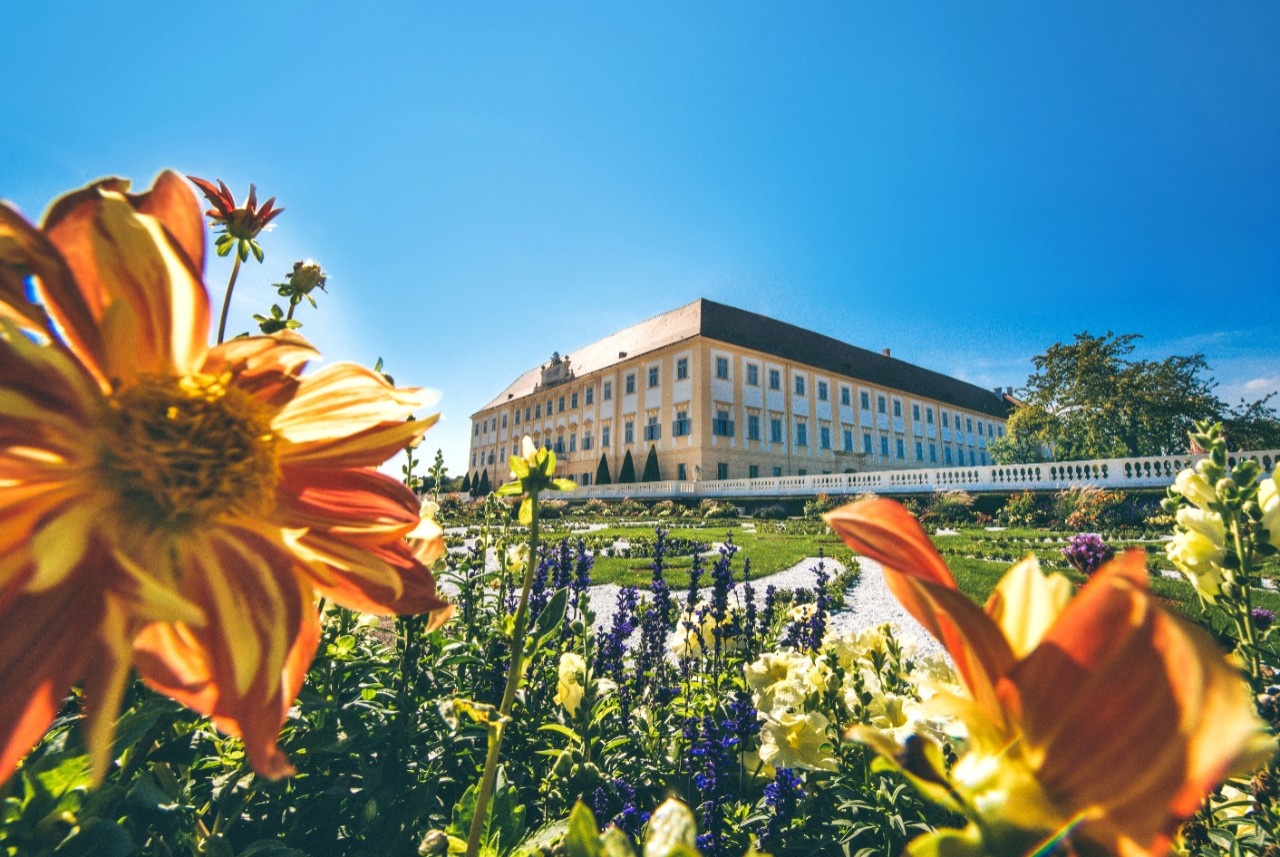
(267, 367)
(386, 579)
(345, 399)
(243, 668)
(368, 448)
(1134, 712)
(887, 533)
(42, 653)
(350, 501)
(148, 297)
(171, 202)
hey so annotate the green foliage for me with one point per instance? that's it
(1024, 509)
(1090, 399)
(651, 470)
(820, 505)
(602, 470)
(483, 487)
(949, 508)
(1252, 425)
(627, 473)
(466, 484)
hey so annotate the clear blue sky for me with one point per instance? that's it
(966, 183)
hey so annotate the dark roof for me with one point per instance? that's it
(761, 333)
(769, 336)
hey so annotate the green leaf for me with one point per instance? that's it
(547, 625)
(526, 512)
(257, 250)
(583, 837)
(562, 729)
(98, 838)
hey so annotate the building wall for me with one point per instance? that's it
(801, 417)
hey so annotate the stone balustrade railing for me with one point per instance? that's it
(1118, 473)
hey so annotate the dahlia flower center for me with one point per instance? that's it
(184, 450)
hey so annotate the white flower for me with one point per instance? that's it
(1198, 549)
(1269, 500)
(794, 740)
(1195, 488)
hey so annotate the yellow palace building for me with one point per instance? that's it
(722, 393)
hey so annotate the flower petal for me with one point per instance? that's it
(1026, 602)
(245, 666)
(267, 367)
(1135, 713)
(354, 502)
(884, 531)
(346, 399)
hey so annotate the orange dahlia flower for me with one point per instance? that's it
(1097, 722)
(170, 506)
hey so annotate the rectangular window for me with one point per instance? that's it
(476, 429)
(777, 471)
(573, 400)
(586, 479)
(586, 441)
(629, 384)
(573, 443)
(484, 427)
(775, 380)
(559, 445)
(897, 407)
(753, 471)
(973, 459)
(526, 415)
(799, 385)
(900, 448)
(504, 420)
(591, 395)
(824, 437)
(775, 430)
(653, 376)
(946, 451)
(682, 472)
(884, 445)
(681, 426)
(561, 408)
(968, 425)
(517, 420)
(845, 394)
(753, 375)
(822, 391)
(537, 411)
(802, 434)
(722, 426)
(919, 451)
(848, 440)
(628, 432)
(946, 420)
(864, 401)
(722, 470)
(682, 368)
(881, 404)
(933, 453)
(652, 430)
(722, 368)
(753, 427)
(607, 393)
(515, 449)
(915, 412)
(999, 431)
(979, 428)
(866, 442)
(604, 436)
(928, 415)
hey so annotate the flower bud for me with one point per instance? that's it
(305, 277)
(671, 826)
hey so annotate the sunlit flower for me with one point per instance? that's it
(1198, 549)
(1269, 501)
(1103, 718)
(1195, 488)
(796, 740)
(695, 632)
(532, 472)
(239, 225)
(170, 506)
(572, 679)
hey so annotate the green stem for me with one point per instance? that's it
(1245, 622)
(514, 674)
(226, 301)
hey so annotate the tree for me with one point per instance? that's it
(1252, 426)
(627, 473)
(484, 487)
(1029, 435)
(602, 470)
(1089, 399)
(466, 483)
(651, 473)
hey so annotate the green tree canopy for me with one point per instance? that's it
(466, 483)
(651, 472)
(602, 470)
(1252, 425)
(1090, 399)
(484, 486)
(627, 473)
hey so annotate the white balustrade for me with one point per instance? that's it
(1118, 473)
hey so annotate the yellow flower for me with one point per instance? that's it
(1105, 719)
(1195, 488)
(1198, 549)
(778, 680)
(790, 739)
(531, 473)
(174, 507)
(1269, 501)
(573, 676)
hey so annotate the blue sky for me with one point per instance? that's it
(964, 183)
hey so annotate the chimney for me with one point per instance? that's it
(885, 352)
(1008, 391)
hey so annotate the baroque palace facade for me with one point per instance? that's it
(722, 393)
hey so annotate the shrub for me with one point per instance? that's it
(595, 506)
(553, 509)
(950, 508)
(709, 508)
(1024, 509)
(629, 508)
(665, 509)
(772, 512)
(1086, 507)
(820, 505)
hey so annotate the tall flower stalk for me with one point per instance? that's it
(533, 474)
